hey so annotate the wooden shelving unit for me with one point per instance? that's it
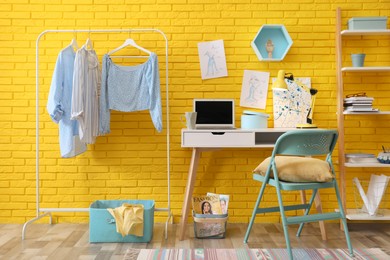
(353, 214)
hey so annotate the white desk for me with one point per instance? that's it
(206, 140)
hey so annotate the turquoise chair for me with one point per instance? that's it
(310, 142)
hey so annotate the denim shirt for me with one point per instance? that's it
(59, 104)
(130, 88)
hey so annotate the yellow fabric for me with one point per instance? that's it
(129, 219)
(298, 169)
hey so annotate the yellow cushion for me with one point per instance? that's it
(298, 169)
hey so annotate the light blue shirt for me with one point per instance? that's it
(59, 104)
(130, 88)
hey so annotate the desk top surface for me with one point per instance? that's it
(259, 130)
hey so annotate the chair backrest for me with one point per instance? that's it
(306, 142)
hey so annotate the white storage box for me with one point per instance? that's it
(368, 23)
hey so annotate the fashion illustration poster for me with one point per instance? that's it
(212, 59)
(254, 89)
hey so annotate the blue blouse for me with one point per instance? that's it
(130, 88)
(59, 104)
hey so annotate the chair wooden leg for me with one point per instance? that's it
(319, 210)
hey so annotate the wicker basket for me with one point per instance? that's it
(210, 226)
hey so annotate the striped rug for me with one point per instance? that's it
(252, 254)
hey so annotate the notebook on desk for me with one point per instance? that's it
(214, 113)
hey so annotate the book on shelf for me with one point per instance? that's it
(357, 105)
(207, 204)
(369, 107)
(359, 99)
(360, 158)
(223, 201)
(361, 109)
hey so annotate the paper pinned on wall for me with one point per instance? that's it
(292, 105)
(212, 59)
(254, 89)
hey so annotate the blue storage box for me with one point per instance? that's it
(102, 226)
(254, 120)
(368, 23)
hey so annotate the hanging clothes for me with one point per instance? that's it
(85, 96)
(130, 88)
(59, 104)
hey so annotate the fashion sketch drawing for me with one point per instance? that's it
(254, 89)
(212, 59)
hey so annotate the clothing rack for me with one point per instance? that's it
(42, 212)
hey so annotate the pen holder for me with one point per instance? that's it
(384, 158)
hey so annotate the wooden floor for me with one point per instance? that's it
(70, 241)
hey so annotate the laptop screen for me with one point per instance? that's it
(214, 113)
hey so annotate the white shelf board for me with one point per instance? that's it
(367, 113)
(365, 69)
(367, 165)
(364, 32)
(355, 214)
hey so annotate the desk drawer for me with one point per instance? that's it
(218, 139)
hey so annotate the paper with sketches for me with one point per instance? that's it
(376, 190)
(254, 89)
(212, 59)
(363, 195)
(292, 105)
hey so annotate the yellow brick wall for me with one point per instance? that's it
(130, 163)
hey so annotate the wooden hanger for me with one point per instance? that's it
(129, 42)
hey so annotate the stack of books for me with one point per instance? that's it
(360, 158)
(359, 104)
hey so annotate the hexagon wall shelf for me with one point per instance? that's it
(279, 37)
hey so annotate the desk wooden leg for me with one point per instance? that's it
(189, 189)
(317, 201)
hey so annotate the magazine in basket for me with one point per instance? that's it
(223, 200)
(207, 204)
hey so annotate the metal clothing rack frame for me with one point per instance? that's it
(47, 211)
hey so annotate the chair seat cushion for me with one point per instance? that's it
(298, 169)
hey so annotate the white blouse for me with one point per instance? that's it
(85, 95)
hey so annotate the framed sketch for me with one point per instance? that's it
(212, 59)
(254, 89)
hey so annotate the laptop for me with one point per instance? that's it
(214, 113)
